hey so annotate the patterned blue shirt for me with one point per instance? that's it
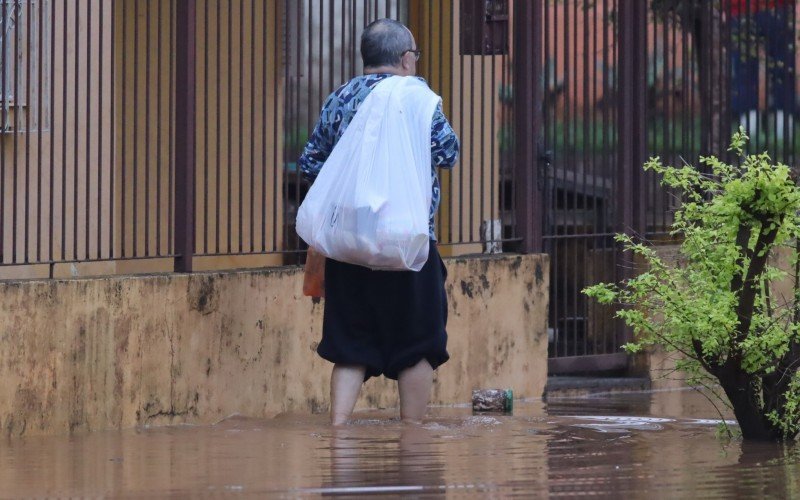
(340, 108)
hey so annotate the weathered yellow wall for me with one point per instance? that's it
(79, 355)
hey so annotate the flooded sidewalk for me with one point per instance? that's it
(622, 445)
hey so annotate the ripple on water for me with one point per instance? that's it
(614, 447)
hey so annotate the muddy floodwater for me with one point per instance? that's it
(656, 445)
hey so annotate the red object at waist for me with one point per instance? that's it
(739, 7)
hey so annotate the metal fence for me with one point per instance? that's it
(163, 134)
(142, 135)
(87, 103)
(625, 80)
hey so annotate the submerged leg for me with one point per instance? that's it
(346, 383)
(415, 390)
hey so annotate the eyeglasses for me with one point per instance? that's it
(416, 53)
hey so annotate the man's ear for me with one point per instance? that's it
(405, 62)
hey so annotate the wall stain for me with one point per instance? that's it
(539, 273)
(467, 289)
(203, 295)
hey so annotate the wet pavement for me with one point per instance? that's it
(659, 445)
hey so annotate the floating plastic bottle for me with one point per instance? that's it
(493, 400)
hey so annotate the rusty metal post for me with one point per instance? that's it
(527, 122)
(632, 124)
(185, 108)
(632, 134)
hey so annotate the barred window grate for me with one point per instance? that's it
(25, 69)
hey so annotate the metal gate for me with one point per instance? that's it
(625, 80)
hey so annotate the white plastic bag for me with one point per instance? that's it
(370, 202)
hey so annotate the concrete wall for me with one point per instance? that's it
(79, 355)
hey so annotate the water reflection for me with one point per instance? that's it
(624, 445)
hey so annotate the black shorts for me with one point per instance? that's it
(386, 321)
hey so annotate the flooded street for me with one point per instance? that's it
(627, 445)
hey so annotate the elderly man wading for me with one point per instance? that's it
(389, 323)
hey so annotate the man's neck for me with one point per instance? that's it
(391, 70)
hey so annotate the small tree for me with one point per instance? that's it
(717, 307)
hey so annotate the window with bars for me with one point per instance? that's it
(24, 65)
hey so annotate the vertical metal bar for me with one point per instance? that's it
(158, 130)
(344, 30)
(769, 125)
(692, 90)
(723, 58)
(652, 128)
(598, 252)
(4, 111)
(462, 174)
(100, 164)
(353, 47)
(297, 112)
(185, 108)
(483, 138)
(64, 138)
(217, 130)
(313, 105)
(787, 95)
(451, 45)
(28, 130)
(171, 106)
(87, 178)
(135, 209)
(278, 53)
(331, 48)
(586, 116)
(206, 147)
(673, 113)
(40, 128)
(546, 144)
(274, 169)
(310, 80)
(147, 166)
(265, 59)
(473, 139)
(15, 158)
(632, 71)
(51, 196)
(792, 159)
(76, 136)
(527, 121)
(616, 187)
(607, 92)
(494, 210)
(569, 149)
(26, 193)
(228, 166)
(241, 124)
(252, 39)
(668, 91)
(112, 134)
(686, 83)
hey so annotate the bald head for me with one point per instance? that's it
(383, 43)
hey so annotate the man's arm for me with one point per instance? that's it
(320, 144)
(444, 141)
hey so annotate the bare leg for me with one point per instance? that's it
(415, 391)
(346, 383)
